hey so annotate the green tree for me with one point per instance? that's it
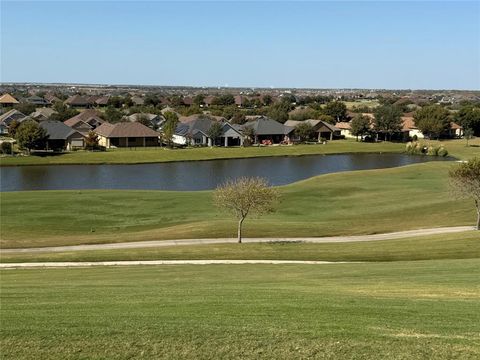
(143, 119)
(112, 114)
(360, 126)
(199, 100)
(91, 140)
(467, 134)
(25, 108)
(388, 120)
(30, 136)
(465, 179)
(245, 196)
(304, 131)
(12, 128)
(215, 131)
(239, 118)
(168, 130)
(432, 120)
(249, 135)
(336, 109)
(224, 100)
(327, 118)
(468, 116)
(279, 111)
(63, 112)
(267, 100)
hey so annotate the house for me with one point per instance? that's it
(7, 100)
(187, 101)
(455, 130)
(194, 130)
(102, 101)
(61, 136)
(37, 101)
(137, 101)
(268, 130)
(7, 118)
(322, 128)
(410, 129)
(126, 134)
(90, 117)
(345, 129)
(156, 121)
(42, 114)
(78, 101)
(52, 99)
(239, 100)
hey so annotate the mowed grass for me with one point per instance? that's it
(359, 202)
(444, 246)
(152, 155)
(402, 310)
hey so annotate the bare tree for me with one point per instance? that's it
(465, 179)
(244, 196)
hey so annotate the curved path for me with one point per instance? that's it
(161, 243)
(163, 262)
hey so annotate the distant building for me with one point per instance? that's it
(7, 100)
(61, 136)
(126, 134)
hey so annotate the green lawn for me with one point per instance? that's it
(359, 202)
(151, 155)
(447, 246)
(402, 310)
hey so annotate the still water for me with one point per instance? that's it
(193, 175)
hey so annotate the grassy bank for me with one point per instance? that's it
(448, 246)
(403, 310)
(360, 202)
(152, 155)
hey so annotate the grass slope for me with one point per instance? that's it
(150, 155)
(360, 202)
(403, 310)
(448, 246)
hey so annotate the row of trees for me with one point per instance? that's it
(432, 120)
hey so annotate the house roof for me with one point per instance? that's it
(455, 126)
(408, 123)
(57, 130)
(266, 126)
(137, 100)
(11, 115)
(85, 116)
(37, 100)
(343, 125)
(8, 99)
(196, 123)
(78, 100)
(125, 129)
(45, 112)
(102, 100)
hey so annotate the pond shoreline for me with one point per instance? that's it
(206, 159)
(197, 175)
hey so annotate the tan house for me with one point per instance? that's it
(126, 134)
(7, 100)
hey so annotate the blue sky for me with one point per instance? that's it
(418, 45)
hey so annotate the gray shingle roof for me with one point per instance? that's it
(57, 130)
(266, 126)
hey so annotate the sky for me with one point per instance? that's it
(379, 45)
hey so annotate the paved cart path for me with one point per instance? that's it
(161, 262)
(160, 243)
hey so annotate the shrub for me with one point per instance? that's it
(442, 151)
(6, 148)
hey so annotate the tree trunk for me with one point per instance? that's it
(240, 222)
(477, 205)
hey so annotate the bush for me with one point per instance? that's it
(6, 148)
(442, 151)
(417, 148)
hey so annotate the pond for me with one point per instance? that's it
(193, 175)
